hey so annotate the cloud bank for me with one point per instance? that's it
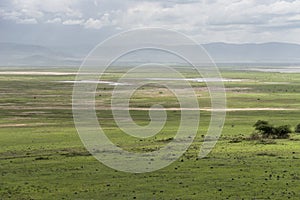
(236, 21)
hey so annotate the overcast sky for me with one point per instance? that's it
(65, 22)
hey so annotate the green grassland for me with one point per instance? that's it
(42, 157)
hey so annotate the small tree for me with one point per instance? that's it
(297, 129)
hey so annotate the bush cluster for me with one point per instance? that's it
(269, 131)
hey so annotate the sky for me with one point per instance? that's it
(69, 22)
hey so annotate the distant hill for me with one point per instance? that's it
(12, 54)
(272, 52)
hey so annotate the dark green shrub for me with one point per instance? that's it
(269, 131)
(282, 132)
(264, 128)
(297, 128)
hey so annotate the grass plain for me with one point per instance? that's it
(42, 157)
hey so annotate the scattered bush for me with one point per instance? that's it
(236, 140)
(266, 141)
(255, 136)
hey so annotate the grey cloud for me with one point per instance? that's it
(210, 20)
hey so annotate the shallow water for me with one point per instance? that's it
(154, 79)
(36, 73)
(196, 79)
(94, 81)
(279, 70)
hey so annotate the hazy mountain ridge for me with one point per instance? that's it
(26, 54)
(36, 55)
(256, 53)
